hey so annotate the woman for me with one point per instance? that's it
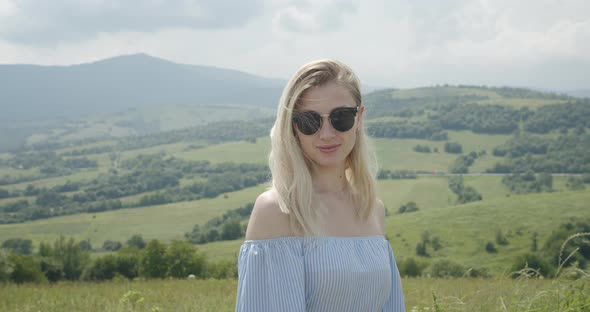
(315, 240)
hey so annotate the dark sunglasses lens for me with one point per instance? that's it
(308, 122)
(343, 119)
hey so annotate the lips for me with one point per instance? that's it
(328, 148)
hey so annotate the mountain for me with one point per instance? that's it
(131, 81)
(580, 93)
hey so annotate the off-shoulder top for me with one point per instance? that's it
(328, 273)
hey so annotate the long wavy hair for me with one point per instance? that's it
(290, 169)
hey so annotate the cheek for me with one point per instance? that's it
(306, 143)
(351, 140)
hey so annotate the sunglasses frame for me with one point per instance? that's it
(297, 114)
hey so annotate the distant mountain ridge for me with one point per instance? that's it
(123, 82)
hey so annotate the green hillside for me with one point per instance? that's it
(465, 229)
(164, 222)
(171, 221)
(162, 184)
(485, 95)
(462, 229)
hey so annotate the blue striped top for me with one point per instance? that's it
(318, 274)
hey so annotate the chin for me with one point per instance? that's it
(335, 161)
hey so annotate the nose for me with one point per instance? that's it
(326, 130)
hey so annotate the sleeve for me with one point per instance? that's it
(271, 276)
(395, 303)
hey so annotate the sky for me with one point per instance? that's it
(528, 43)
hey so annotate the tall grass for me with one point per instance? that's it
(421, 294)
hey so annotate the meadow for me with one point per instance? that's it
(461, 229)
(421, 295)
(517, 216)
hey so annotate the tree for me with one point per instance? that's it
(137, 241)
(453, 148)
(421, 249)
(183, 260)
(71, 256)
(153, 263)
(111, 245)
(18, 245)
(103, 268)
(25, 269)
(469, 194)
(231, 230)
(6, 267)
(128, 264)
(85, 245)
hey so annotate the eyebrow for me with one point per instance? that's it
(339, 107)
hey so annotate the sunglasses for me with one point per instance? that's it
(310, 122)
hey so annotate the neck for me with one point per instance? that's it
(329, 180)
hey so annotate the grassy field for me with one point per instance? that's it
(85, 175)
(164, 222)
(493, 96)
(393, 154)
(463, 229)
(172, 220)
(159, 118)
(421, 295)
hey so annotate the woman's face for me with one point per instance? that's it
(329, 147)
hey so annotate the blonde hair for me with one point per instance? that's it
(291, 182)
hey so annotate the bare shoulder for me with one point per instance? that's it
(267, 220)
(380, 213)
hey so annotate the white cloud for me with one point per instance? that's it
(36, 22)
(389, 43)
(316, 16)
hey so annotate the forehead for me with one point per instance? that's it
(326, 97)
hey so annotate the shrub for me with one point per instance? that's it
(128, 263)
(574, 183)
(103, 268)
(86, 245)
(453, 148)
(26, 269)
(111, 245)
(183, 259)
(153, 263)
(410, 268)
(491, 248)
(137, 241)
(422, 148)
(552, 249)
(18, 245)
(421, 249)
(446, 268)
(531, 261)
(5, 267)
(477, 272)
(223, 269)
(500, 238)
(435, 243)
(409, 207)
